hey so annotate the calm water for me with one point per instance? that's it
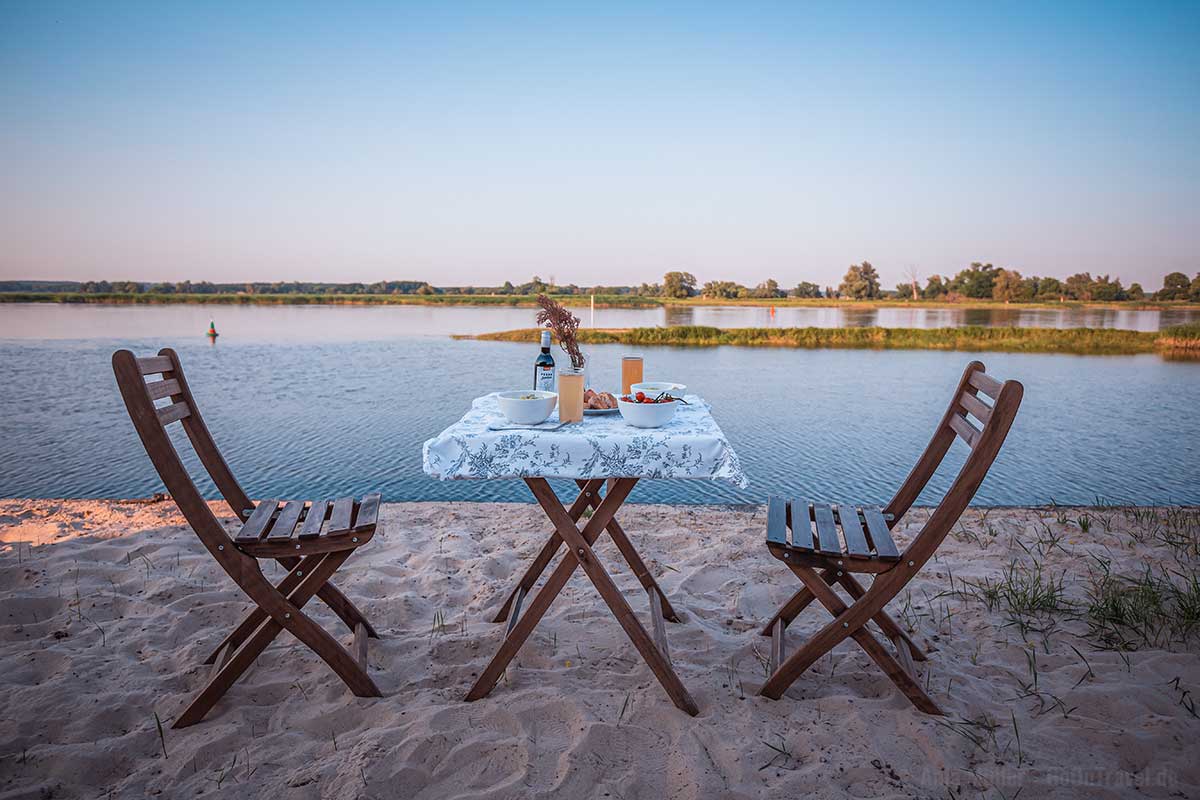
(357, 323)
(314, 400)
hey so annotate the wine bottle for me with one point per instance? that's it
(543, 366)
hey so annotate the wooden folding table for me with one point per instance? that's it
(606, 458)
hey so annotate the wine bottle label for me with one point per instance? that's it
(544, 378)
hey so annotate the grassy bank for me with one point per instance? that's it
(1180, 341)
(530, 301)
(149, 298)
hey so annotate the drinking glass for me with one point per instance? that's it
(631, 371)
(570, 395)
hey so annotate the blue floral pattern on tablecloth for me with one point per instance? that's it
(691, 445)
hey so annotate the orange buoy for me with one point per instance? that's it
(212, 330)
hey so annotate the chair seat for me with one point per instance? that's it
(298, 527)
(847, 537)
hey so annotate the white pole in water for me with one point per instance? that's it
(593, 312)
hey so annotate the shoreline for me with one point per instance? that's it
(573, 301)
(110, 609)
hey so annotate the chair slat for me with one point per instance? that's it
(173, 413)
(802, 537)
(968, 432)
(776, 521)
(254, 528)
(160, 389)
(340, 517)
(856, 541)
(155, 364)
(315, 519)
(826, 530)
(985, 383)
(368, 512)
(978, 409)
(285, 523)
(881, 537)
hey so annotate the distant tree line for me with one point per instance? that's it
(979, 281)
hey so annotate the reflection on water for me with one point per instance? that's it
(362, 323)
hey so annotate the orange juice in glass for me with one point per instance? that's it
(570, 395)
(631, 372)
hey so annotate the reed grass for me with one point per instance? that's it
(1180, 341)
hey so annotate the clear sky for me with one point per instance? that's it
(596, 143)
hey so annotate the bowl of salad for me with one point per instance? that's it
(642, 410)
(528, 406)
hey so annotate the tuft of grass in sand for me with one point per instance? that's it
(1151, 610)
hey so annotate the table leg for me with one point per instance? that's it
(589, 495)
(518, 633)
(579, 553)
(634, 560)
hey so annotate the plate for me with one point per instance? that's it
(600, 412)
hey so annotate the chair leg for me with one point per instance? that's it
(883, 619)
(338, 602)
(833, 634)
(319, 569)
(792, 608)
(347, 612)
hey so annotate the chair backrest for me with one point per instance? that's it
(983, 426)
(151, 422)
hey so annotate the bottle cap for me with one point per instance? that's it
(545, 338)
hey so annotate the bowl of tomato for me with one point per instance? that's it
(642, 410)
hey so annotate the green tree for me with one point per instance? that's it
(768, 288)
(975, 281)
(1079, 286)
(1194, 294)
(1175, 287)
(1107, 290)
(679, 284)
(806, 289)
(1136, 292)
(1007, 285)
(935, 287)
(1050, 287)
(861, 282)
(722, 290)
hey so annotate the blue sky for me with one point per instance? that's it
(596, 143)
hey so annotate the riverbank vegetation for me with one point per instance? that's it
(977, 284)
(1179, 341)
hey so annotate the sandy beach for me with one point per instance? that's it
(108, 608)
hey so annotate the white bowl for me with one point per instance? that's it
(528, 406)
(655, 388)
(647, 415)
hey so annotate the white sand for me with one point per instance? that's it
(107, 610)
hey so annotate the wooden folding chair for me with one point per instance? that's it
(310, 540)
(865, 544)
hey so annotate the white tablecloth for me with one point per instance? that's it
(691, 445)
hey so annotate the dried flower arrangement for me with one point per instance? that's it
(564, 324)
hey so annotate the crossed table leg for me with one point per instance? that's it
(579, 553)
